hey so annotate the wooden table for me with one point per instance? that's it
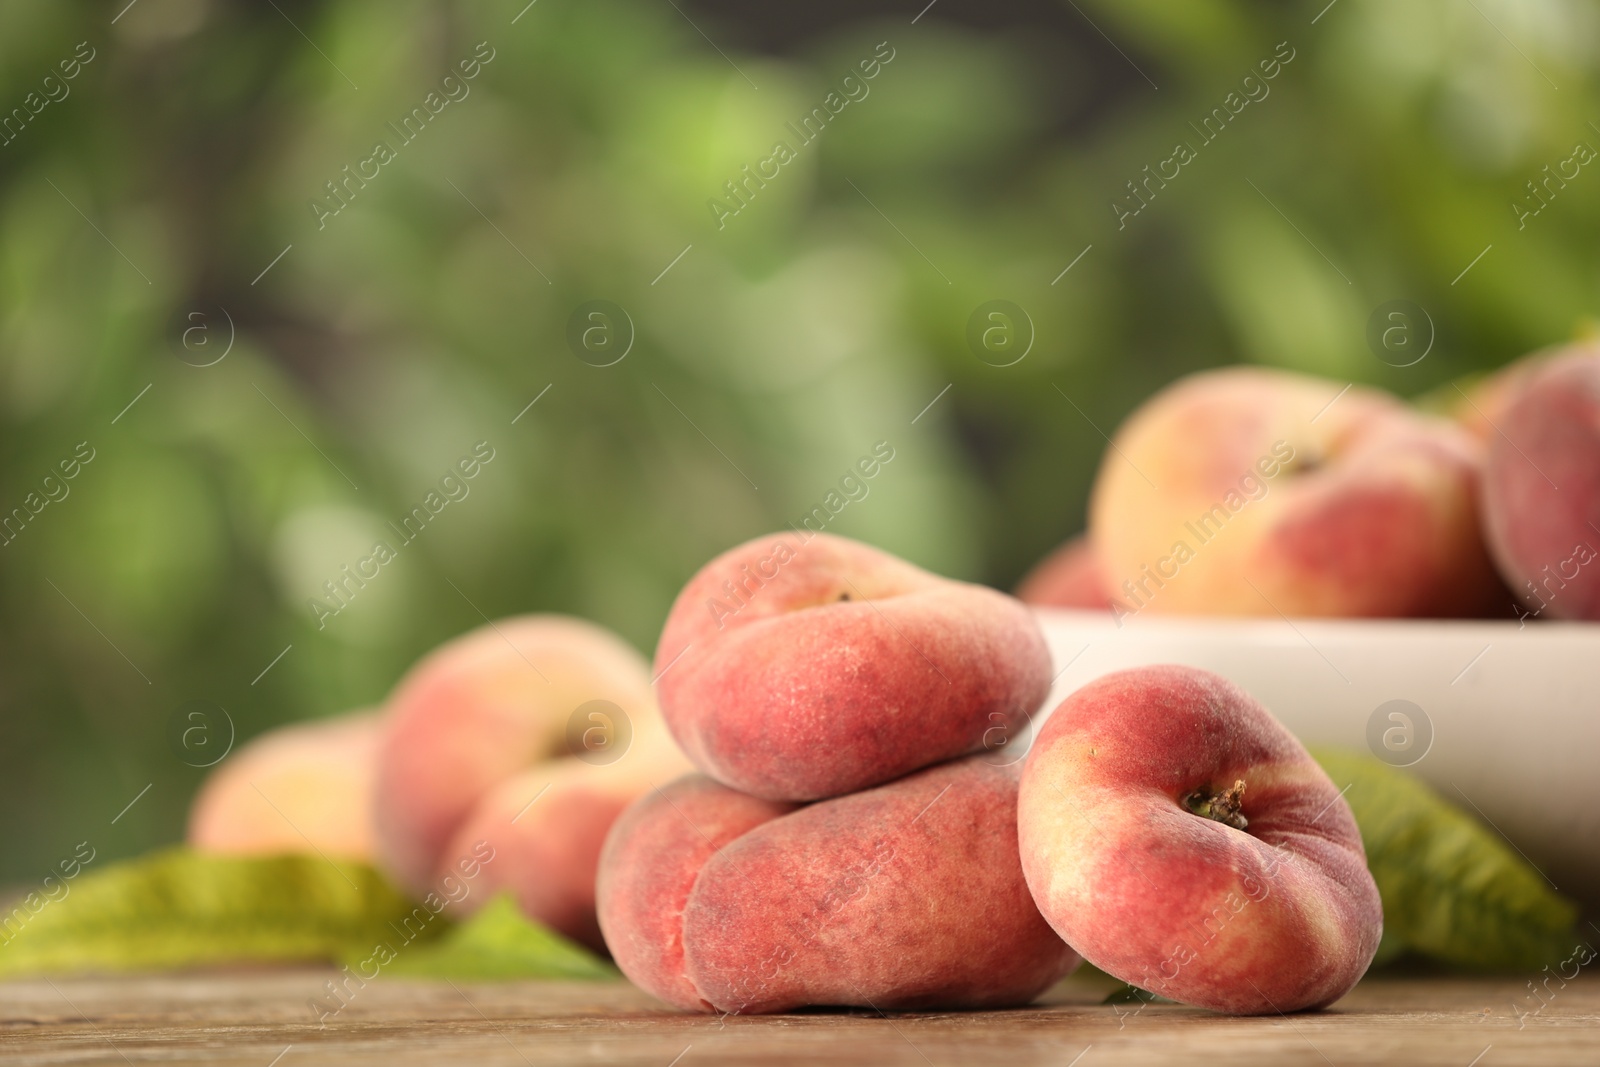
(259, 1019)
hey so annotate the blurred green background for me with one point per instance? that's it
(158, 205)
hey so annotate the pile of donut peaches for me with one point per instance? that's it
(497, 764)
(1251, 491)
(858, 829)
(814, 796)
(860, 832)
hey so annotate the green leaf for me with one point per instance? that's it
(1451, 889)
(180, 908)
(500, 942)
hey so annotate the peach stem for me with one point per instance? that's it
(1225, 807)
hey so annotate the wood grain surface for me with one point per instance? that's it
(264, 1019)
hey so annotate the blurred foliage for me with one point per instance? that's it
(175, 175)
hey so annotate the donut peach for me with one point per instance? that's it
(529, 734)
(906, 896)
(800, 667)
(306, 787)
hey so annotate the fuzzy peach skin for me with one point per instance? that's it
(1278, 916)
(648, 869)
(902, 897)
(1069, 577)
(1251, 491)
(1541, 500)
(299, 788)
(484, 709)
(796, 668)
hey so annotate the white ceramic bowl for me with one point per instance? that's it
(1506, 720)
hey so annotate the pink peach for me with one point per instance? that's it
(1181, 839)
(796, 667)
(648, 870)
(1479, 405)
(906, 896)
(1251, 491)
(546, 826)
(300, 788)
(1541, 500)
(480, 725)
(1069, 577)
